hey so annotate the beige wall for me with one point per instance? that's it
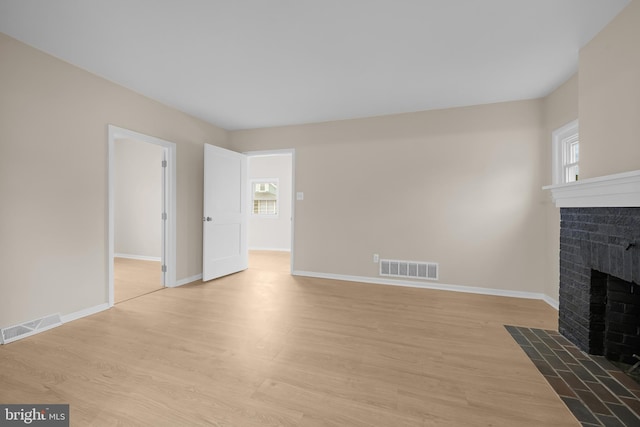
(559, 108)
(461, 187)
(610, 97)
(138, 199)
(53, 180)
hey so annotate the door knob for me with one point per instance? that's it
(207, 219)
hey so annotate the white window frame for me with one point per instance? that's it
(561, 138)
(261, 181)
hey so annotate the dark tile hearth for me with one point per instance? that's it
(595, 391)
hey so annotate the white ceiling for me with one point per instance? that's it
(243, 64)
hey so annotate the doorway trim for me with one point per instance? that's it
(284, 152)
(168, 200)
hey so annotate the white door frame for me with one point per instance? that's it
(168, 200)
(283, 152)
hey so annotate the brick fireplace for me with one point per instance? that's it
(599, 276)
(599, 298)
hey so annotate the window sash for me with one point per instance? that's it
(570, 159)
(566, 153)
(571, 172)
(265, 207)
(265, 197)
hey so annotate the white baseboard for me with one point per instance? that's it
(430, 285)
(552, 302)
(187, 280)
(270, 249)
(138, 257)
(84, 313)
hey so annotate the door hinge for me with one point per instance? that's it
(164, 268)
(164, 216)
(164, 163)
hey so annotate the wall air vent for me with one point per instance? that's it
(409, 269)
(16, 332)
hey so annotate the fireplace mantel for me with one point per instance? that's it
(619, 190)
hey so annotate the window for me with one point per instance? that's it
(571, 148)
(566, 153)
(264, 195)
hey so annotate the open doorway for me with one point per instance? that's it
(271, 212)
(138, 247)
(141, 214)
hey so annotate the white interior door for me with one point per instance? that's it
(225, 213)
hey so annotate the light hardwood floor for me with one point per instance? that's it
(133, 278)
(263, 348)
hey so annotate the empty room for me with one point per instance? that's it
(320, 213)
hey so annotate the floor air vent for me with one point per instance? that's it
(13, 333)
(409, 269)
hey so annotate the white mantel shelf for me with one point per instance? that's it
(619, 190)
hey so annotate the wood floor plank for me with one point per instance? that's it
(264, 348)
(133, 278)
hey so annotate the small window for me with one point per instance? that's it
(571, 148)
(566, 154)
(264, 195)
